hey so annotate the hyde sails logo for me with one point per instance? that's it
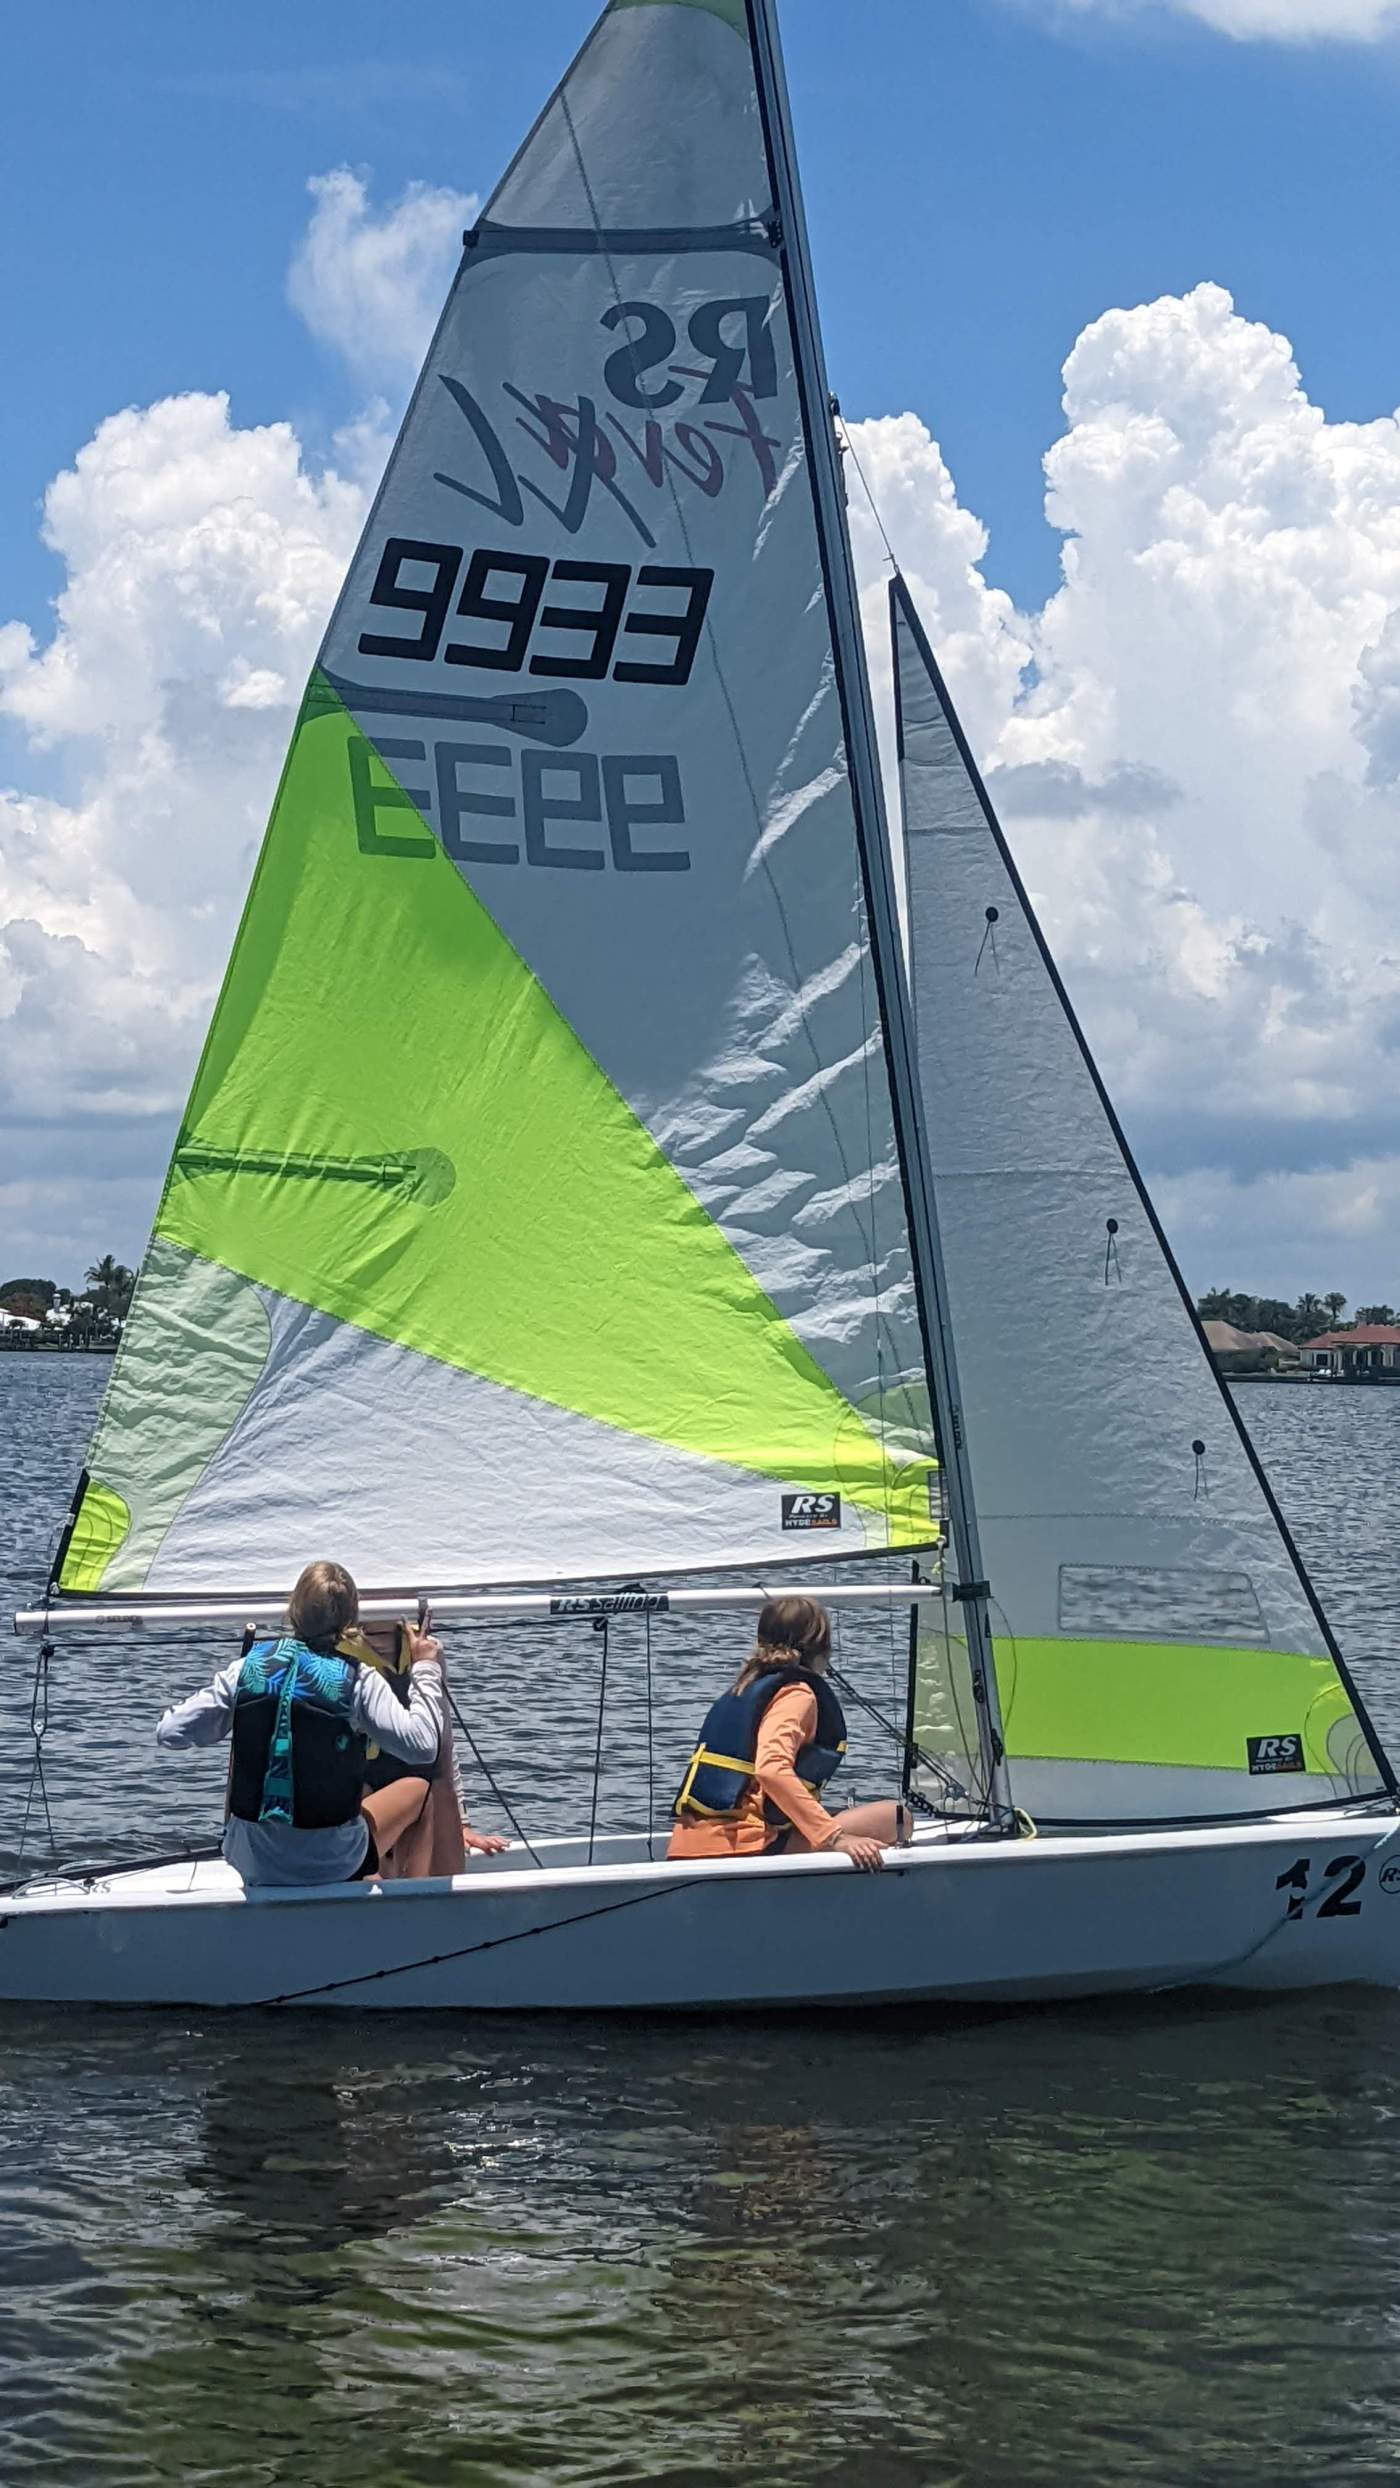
(1268, 1754)
(811, 1511)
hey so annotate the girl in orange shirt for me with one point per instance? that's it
(768, 1747)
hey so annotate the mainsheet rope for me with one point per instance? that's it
(492, 1783)
(600, 1625)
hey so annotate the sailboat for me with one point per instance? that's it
(593, 1201)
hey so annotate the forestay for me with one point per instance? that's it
(1159, 1651)
(537, 1210)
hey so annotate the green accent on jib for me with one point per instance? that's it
(1189, 1705)
(100, 1524)
(376, 1018)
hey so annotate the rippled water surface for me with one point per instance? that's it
(1151, 2243)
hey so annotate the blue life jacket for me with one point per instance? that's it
(297, 1756)
(721, 1768)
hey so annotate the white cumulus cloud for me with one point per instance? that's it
(1277, 21)
(1200, 770)
(371, 285)
(200, 560)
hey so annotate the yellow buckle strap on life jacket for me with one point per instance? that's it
(685, 1802)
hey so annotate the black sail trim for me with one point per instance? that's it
(485, 240)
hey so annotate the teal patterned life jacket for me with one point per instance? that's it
(297, 1755)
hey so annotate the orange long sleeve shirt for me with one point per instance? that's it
(788, 1724)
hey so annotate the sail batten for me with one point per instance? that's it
(1161, 1652)
(537, 1208)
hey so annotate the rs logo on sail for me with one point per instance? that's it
(737, 369)
(812, 1511)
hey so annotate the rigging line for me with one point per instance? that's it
(38, 1729)
(845, 431)
(875, 1262)
(651, 1792)
(88, 1873)
(484, 1768)
(1222, 1969)
(632, 347)
(1237, 1961)
(971, 1745)
(600, 1625)
(892, 1635)
(1002, 1756)
(911, 1690)
(488, 1943)
(497, 1943)
(1007, 1635)
(926, 1761)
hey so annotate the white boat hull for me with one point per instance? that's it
(1290, 1902)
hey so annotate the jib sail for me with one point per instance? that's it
(1159, 1650)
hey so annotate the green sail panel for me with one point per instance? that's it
(547, 1087)
(1159, 1652)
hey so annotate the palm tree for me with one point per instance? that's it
(1308, 1313)
(1335, 1303)
(1383, 1315)
(102, 1276)
(112, 1283)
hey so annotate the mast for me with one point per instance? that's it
(971, 1589)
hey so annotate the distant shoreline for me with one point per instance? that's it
(32, 1343)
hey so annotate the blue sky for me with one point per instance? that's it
(981, 183)
(1195, 725)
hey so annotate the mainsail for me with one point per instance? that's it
(1159, 1650)
(537, 1209)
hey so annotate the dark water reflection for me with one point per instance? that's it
(1138, 2243)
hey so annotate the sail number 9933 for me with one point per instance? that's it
(554, 797)
(504, 593)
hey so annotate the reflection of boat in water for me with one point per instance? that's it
(583, 1182)
(413, 2262)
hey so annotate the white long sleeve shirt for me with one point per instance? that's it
(280, 1852)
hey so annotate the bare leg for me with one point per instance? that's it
(886, 1819)
(390, 1811)
(434, 1845)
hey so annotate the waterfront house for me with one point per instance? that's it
(1365, 1352)
(1248, 1351)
